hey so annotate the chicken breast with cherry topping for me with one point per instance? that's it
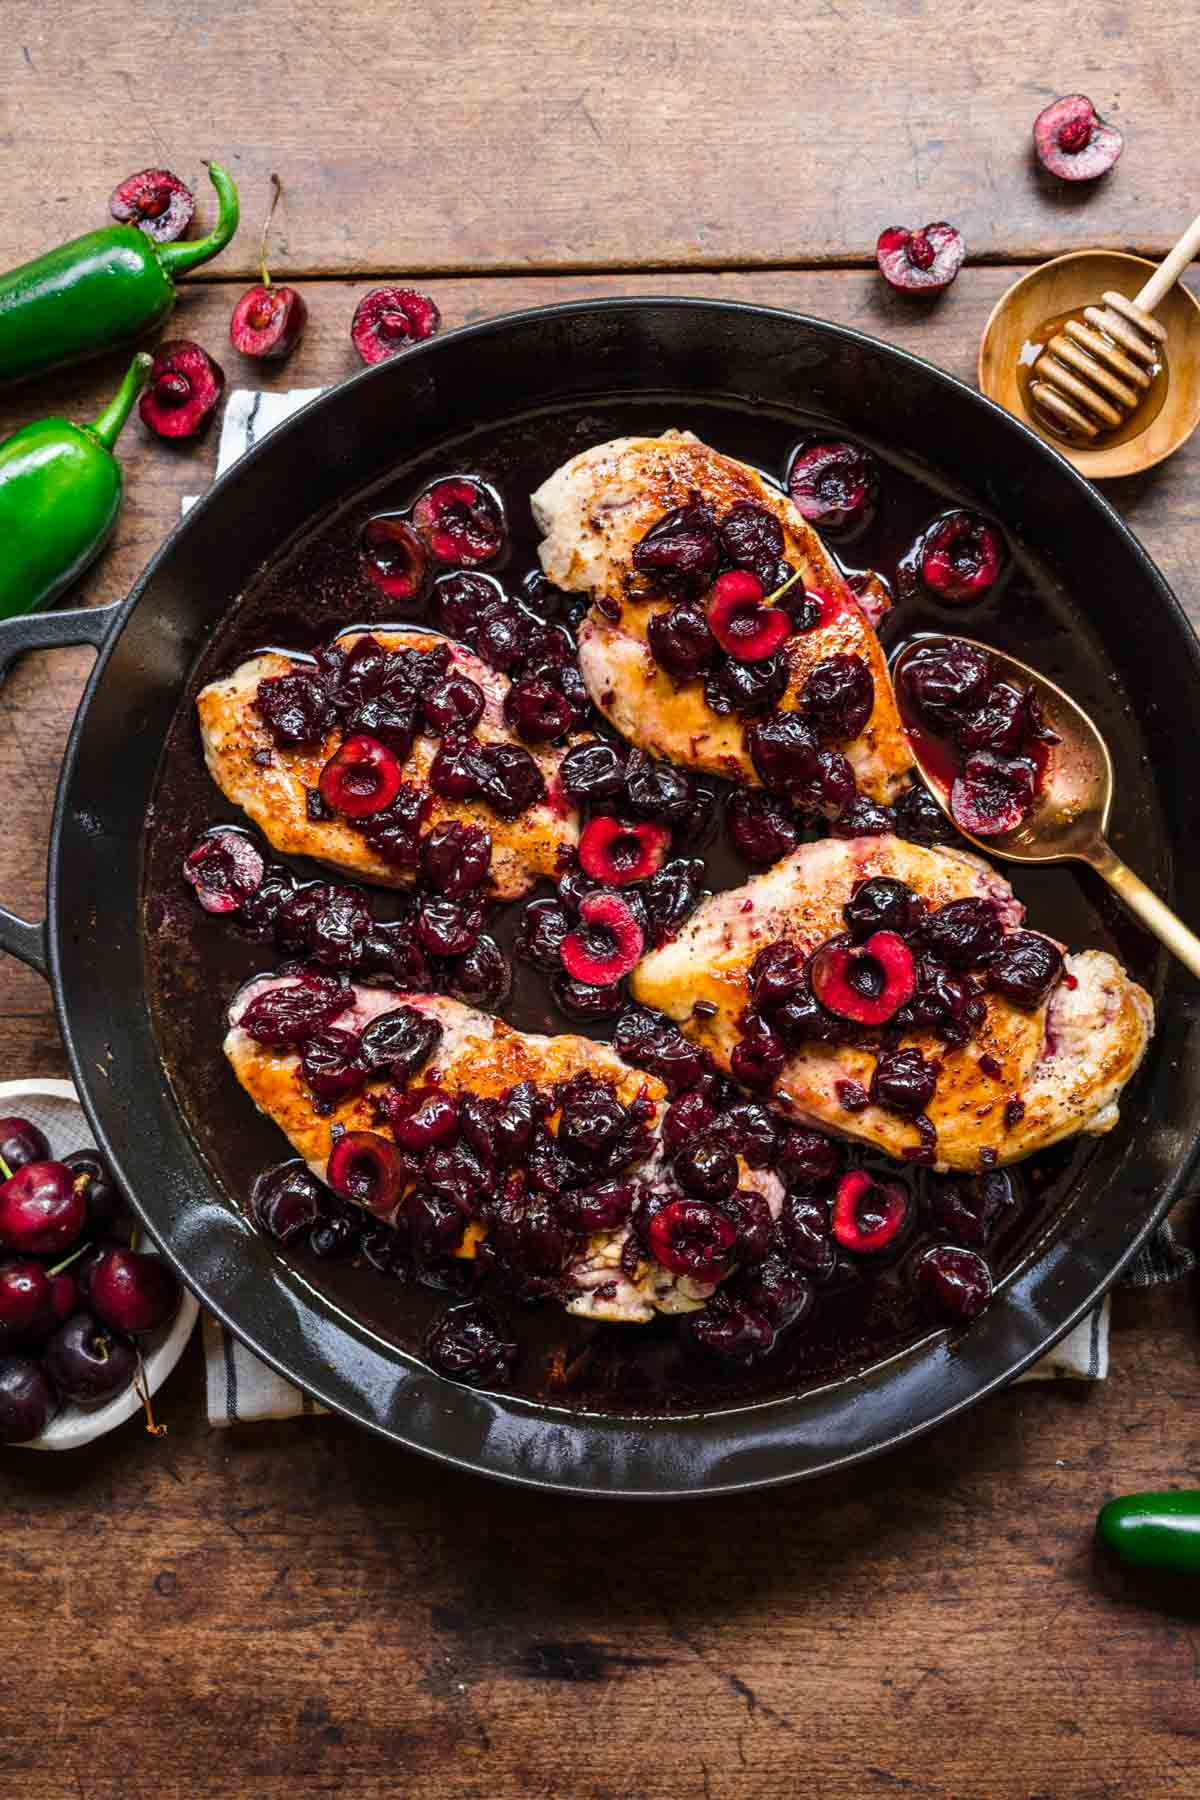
(1019, 1046)
(277, 785)
(637, 649)
(473, 1054)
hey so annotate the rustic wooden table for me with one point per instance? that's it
(293, 1609)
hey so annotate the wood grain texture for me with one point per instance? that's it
(296, 1609)
(599, 133)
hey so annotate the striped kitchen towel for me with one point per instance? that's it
(240, 1387)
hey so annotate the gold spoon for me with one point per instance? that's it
(1069, 818)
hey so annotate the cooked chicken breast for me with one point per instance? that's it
(271, 784)
(482, 1055)
(1065, 1062)
(594, 510)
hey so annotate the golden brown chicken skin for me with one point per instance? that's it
(593, 511)
(1063, 1063)
(271, 784)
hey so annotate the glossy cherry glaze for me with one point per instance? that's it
(862, 1311)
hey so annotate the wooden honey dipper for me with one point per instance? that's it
(1093, 372)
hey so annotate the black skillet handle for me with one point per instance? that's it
(26, 938)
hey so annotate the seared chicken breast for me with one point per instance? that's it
(594, 510)
(481, 1055)
(1026, 1078)
(272, 785)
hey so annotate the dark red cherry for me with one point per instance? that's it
(132, 1291)
(783, 749)
(681, 641)
(1072, 140)
(88, 1362)
(469, 1344)
(759, 1055)
(482, 976)
(28, 1401)
(284, 1016)
(778, 1291)
(992, 794)
(544, 925)
(746, 689)
(1025, 968)
(903, 1082)
(393, 556)
(882, 903)
(593, 772)
(923, 261)
(942, 682)
(295, 708)
(369, 1170)
(456, 858)
(399, 1042)
(778, 973)
(971, 1207)
(331, 1063)
(839, 698)
(956, 1285)
(607, 944)
(22, 1142)
(762, 828)
(423, 1117)
(388, 319)
(26, 1302)
(42, 1209)
(460, 521)
(707, 1170)
(833, 484)
(806, 1231)
(752, 538)
(268, 322)
(225, 868)
(689, 1237)
(869, 1215)
(671, 894)
(455, 703)
(617, 854)
(156, 201)
(184, 390)
(681, 552)
(809, 1159)
(538, 711)
(731, 1330)
(361, 778)
(964, 933)
(287, 1201)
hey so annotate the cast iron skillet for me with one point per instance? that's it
(90, 948)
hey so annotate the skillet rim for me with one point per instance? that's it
(276, 445)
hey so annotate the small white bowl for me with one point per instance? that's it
(54, 1106)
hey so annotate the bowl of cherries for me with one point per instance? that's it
(91, 1325)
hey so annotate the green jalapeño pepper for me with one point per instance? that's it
(60, 493)
(99, 290)
(1154, 1531)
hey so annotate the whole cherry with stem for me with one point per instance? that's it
(268, 320)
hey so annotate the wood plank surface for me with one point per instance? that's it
(600, 134)
(296, 1610)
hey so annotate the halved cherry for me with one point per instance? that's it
(460, 521)
(225, 868)
(361, 778)
(993, 794)
(388, 319)
(869, 1215)
(689, 1237)
(741, 624)
(370, 1170)
(156, 201)
(617, 854)
(185, 386)
(1072, 140)
(961, 557)
(608, 943)
(833, 484)
(393, 556)
(923, 261)
(867, 983)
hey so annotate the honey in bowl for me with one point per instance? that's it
(1138, 420)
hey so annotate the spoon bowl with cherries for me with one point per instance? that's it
(1019, 768)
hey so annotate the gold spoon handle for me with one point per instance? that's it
(1145, 904)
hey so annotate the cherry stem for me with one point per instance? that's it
(276, 190)
(5, 1171)
(769, 599)
(142, 1389)
(68, 1260)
